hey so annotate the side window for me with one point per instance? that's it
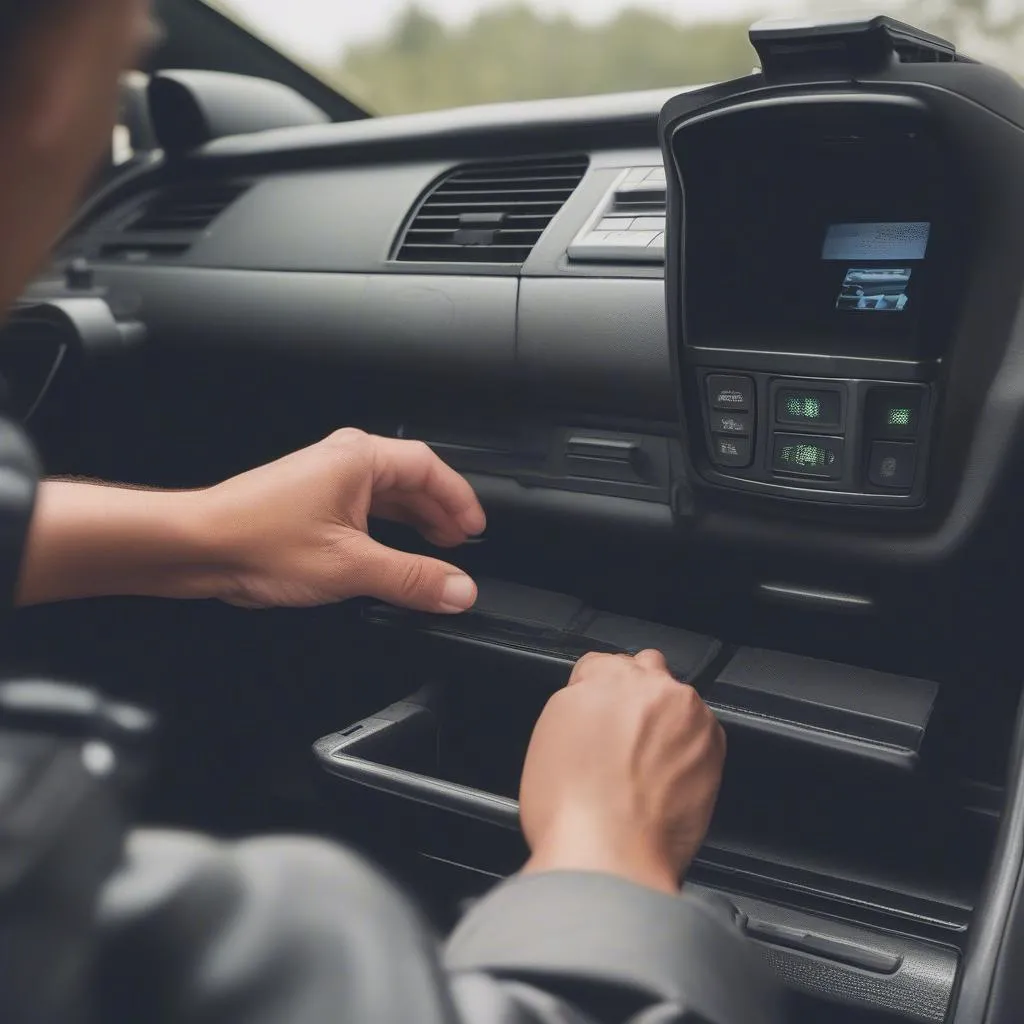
(123, 148)
(133, 135)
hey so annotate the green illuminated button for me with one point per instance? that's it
(895, 412)
(812, 407)
(801, 455)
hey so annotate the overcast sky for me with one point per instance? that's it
(318, 30)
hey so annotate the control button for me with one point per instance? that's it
(895, 412)
(649, 224)
(808, 405)
(735, 394)
(893, 465)
(820, 457)
(741, 423)
(734, 452)
(615, 224)
(631, 239)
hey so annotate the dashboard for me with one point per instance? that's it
(776, 317)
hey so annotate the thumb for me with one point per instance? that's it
(411, 581)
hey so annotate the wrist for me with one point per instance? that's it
(617, 852)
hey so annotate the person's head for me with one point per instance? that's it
(60, 63)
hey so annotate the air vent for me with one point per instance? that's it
(186, 208)
(168, 223)
(491, 213)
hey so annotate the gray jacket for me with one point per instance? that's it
(290, 931)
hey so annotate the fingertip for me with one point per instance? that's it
(652, 659)
(458, 594)
(473, 521)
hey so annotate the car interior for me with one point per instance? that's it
(738, 374)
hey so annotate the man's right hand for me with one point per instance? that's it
(622, 774)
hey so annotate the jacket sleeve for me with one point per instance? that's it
(601, 942)
(297, 931)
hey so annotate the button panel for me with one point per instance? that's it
(852, 441)
(629, 225)
(730, 406)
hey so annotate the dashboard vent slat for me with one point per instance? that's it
(186, 208)
(490, 213)
(165, 225)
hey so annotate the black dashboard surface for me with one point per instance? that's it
(504, 368)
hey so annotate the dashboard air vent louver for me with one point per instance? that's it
(169, 222)
(186, 208)
(491, 213)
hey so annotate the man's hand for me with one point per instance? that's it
(622, 774)
(294, 533)
(290, 534)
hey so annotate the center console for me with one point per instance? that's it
(832, 243)
(823, 248)
(849, 842)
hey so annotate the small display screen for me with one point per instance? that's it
(900, 240)
(837, 240)
(875, 289)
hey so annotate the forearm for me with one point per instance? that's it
(91, 540)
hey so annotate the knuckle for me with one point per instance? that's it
(688, 697)
(349, 436)
(421, 449)
(413, 578)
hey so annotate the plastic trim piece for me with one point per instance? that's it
(836, 707)
(910, 978)
(809, 597)
(991, 969)
(338, 754)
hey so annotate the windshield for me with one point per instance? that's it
(395, 57)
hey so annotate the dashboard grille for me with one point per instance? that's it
(491, 213)
(186, 208)
(165, 224)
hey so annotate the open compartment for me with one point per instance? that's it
(818, 804)
(854, 850)
(857, 881)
